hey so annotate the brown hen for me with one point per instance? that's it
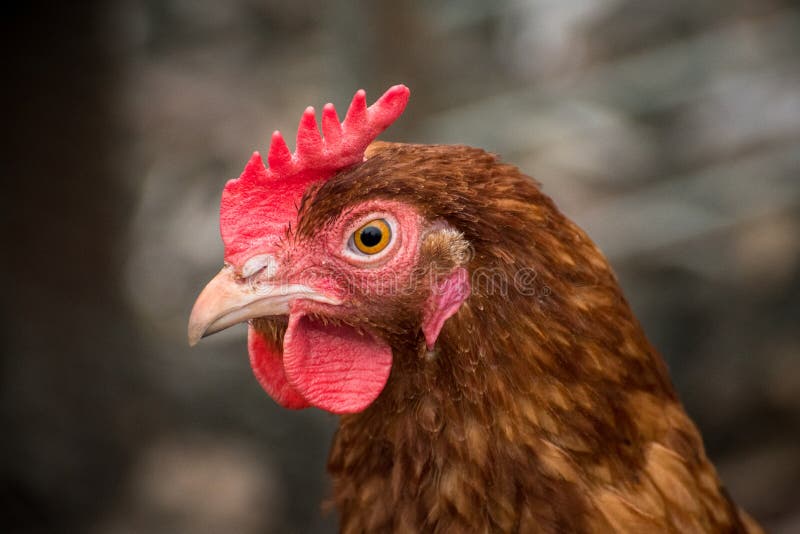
(530, 402)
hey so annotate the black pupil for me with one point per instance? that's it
(371, 236)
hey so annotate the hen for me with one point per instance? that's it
(489, 373)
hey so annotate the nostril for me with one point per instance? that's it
(261, 262)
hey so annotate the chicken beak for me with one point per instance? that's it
(228, 300)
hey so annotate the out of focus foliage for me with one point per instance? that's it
(669, 130)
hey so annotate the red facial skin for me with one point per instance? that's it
(334, 367)
(327, 263)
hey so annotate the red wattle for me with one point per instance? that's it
(265, 359)
(334, 367)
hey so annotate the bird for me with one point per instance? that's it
(488, 373)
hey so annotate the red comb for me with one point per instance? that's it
(258, 205)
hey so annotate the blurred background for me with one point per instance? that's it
(669, 130)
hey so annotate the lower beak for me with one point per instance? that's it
(228, 300)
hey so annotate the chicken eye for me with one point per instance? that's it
(373, 237)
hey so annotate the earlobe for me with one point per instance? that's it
(444, 301)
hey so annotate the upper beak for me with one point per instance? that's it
(228, 300)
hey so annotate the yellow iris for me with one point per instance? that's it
(373, 236)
